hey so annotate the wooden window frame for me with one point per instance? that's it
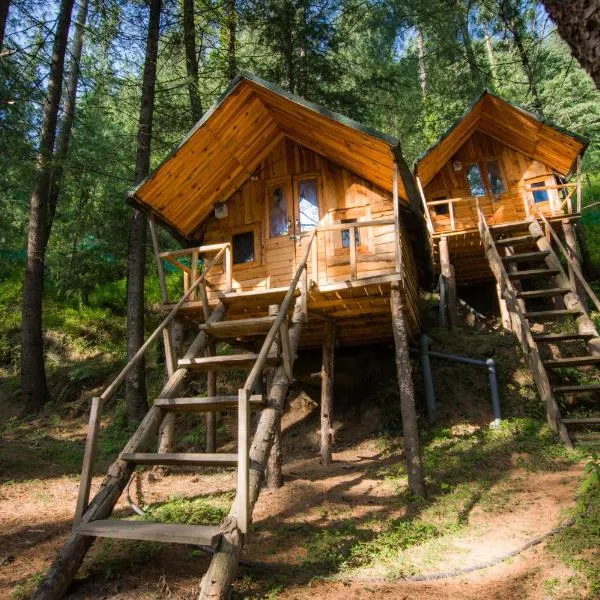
(286, 182)
(548, 179)
(336, 253)
(296, 179)
(482, 163)
(255, 228)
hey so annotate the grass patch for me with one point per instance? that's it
(579, 545)
(209, 510)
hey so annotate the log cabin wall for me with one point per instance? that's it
(517, 171)
(342, 197)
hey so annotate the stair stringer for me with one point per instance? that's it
(70, 557)
(223, 567)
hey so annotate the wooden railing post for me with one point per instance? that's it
(353, 269)
(85, 484)
(194, 271)
(579, 183)
(228, 268)
(315, 261)
(243, 460)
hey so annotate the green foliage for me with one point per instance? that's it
(579, 546)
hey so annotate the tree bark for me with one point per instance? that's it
(327, 374)
(136, 402)
(448, 274)
(422, 64)
(231, 39)
(4, 4)
(410, 429)
(33, 374)
(462, 16)
(578, 22)
(191, 60)
(66, 124)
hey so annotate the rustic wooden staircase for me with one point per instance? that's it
(277, 350)
(567, 341)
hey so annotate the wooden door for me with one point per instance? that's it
(307, 204)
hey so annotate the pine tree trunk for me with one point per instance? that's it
(422, 64)
(231, 39)
(136, 402)
(33, 374)
(463, 25)
(66, 124)
(412, 449)
(191, 61)
(578, 22)
(327, 374)
(4, 4)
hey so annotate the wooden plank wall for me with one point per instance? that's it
(516, 169)
(342, 195)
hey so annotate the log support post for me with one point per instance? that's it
(408, 410)
(274, 476)
(450, 281)
(211, 416)
(504, 312)
(327, 374)
(575, 256)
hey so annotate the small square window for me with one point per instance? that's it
(540, 195)
(243, 248)
(440, 209)
(346, 234)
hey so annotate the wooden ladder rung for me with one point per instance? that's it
(548, 293)
(533, 273)
(225, 362)
(208, 404)
(581, 421)
(575, 361)
(551, 314)
(566, 389)
(526, 256)
(562, 337)
(182, 459)
(520, 239)
(197, 535)
(239, 327)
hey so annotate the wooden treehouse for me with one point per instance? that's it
(501, 193)
(300, 228)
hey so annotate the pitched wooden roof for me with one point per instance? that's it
(238, 132)
(512, 126)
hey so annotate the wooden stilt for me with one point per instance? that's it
(274, 476)
(327, 373)
(448, 274)
(410, 429)
(575, 255)
(211, 416)
(504, 312)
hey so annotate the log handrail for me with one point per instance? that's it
(573, 264)
(278, 326)
(99, 401)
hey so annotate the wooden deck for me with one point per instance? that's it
(360, 308)
(467, 252)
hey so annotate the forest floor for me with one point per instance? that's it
(349, 530)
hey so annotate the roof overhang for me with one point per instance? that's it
(238, 132)
(512, 126)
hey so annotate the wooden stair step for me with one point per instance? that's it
(533, 273)
(551, 314)
(198, 535)
(225, 362)
(205, 404)
(565, 389)
(239, 327)
(562, 337)
(581, 421)
(189, 459)
(547, 293)
(575, 361)
(526, 256)
(511, 241)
